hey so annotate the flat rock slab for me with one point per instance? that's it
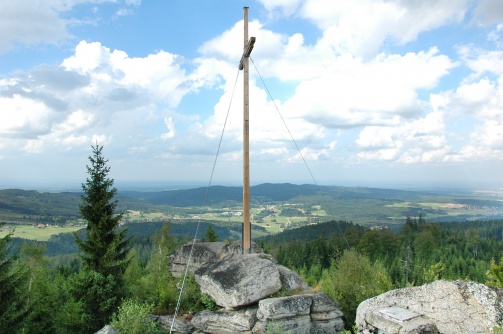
(181, 325)
(225, 322)
(239, 280)
(398, 313)
(307, 313)
(284, 307)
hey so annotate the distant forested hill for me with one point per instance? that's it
(358, 204)
(31, 202)
(64, 204)
(269, 192)
(218, 194)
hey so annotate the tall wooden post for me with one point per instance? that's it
(243, 65)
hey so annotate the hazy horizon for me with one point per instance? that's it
(156, 186)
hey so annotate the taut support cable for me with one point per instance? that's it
(204, 204)
(297, 146)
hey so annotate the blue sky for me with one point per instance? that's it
(387, 93)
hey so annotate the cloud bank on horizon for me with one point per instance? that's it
(371, 90)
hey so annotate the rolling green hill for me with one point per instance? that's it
(360, 205)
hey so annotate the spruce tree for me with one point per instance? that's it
(104, 251)
(106, 248)
(13, 309)
(210, 234)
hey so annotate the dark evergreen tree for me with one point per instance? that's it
(210, 234)
(106, 247)
(104, 251)
(12, 290)
(409, 230)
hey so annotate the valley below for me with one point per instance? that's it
(274, 208)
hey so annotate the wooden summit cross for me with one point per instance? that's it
(243, 65)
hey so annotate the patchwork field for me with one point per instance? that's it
(35, 233)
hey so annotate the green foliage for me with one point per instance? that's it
(210, 234)
(275, 327)
(132, 318)
(42, 293)
(159, 288)
(133, 276)
(306, 253)
(354, 330)
(313, 275)
(209, 304)
(379, 244)
(433, 273)
(352, 279)
(166, 296)
(495, 274)
(94, 300)
(497, 330)
(69, 316)
(12, 290)
(191, 300)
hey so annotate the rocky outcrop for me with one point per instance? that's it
(242, 285)
(233, 279)
(203, 253)
(440, 307)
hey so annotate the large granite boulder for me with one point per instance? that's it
(440, 307)
(242, 285)
(202, 253)
(239, 280)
